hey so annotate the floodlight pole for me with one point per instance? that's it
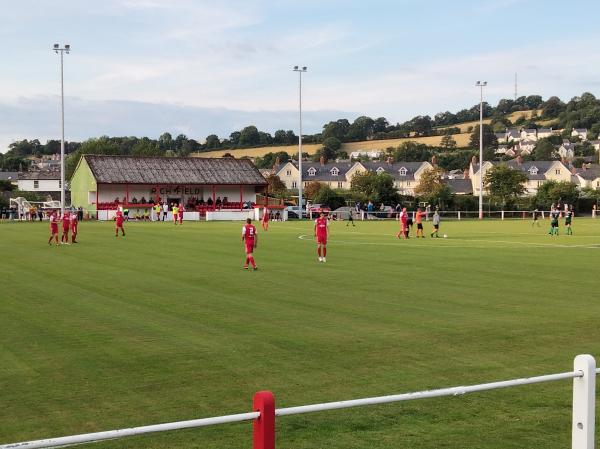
(300, 70)
(481, 85)
(58, 50)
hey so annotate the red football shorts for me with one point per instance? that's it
(249, 246)
(322, 239)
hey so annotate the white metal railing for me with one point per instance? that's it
(583, 420)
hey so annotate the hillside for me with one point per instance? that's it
(462, 140)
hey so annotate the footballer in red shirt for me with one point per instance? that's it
(181, 211)
(250, 240)
(119, 223)
(265, 219)
(53, 228)
(74, 223)
(321, 234)
(66, 224)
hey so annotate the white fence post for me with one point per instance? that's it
(503, 215)
(458, 215)
(584, 403)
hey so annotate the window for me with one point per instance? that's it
(403, 171)
(59, 183)
(539, 183)
(557, 171)
(380, 170)
(334, 171)
(340, 183)
(533, 170)
(36, 184)
(288, 173)
(312, 171)
(294, 185)
(408, 184)
(597, 183)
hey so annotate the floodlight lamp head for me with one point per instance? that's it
(56, 46)
(67, 47)
(295, 67)
(304, 69)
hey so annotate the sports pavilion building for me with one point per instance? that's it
(223, 188)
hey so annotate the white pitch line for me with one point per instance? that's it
(442, 243)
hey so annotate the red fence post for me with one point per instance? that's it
(264, 425)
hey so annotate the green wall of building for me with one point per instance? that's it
(82, 183)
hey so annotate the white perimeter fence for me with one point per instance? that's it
(264, 411)
(456, 215)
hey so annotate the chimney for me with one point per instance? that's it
(563, 159)
(584, 166)
(389, 160)
(434, 160)
(277, 163)
(519, 160)
(466, 174)
(474, 160)
(574, 170)
(322, 160)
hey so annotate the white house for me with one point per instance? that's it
(544, 132)
(566, 151)
(526, 146)
(369, 154)
(528, 134)
(39, 181)
(579, 132)
(512, 135)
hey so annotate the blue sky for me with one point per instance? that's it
(142, 67)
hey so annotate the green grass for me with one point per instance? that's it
(164, 325)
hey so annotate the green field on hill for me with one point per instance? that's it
(165, 325)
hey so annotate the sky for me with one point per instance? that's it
(195, 67)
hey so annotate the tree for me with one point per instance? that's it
(448, 142)
(543, 150)
(552, 107)
(330, 148)
(379, 188)
(249, 136)
(489, 138)
(431, 187)
(276, 185)
(554, 192)
(337, 129)
(505, 183)
(212, 141)
(165, 142)
(329, 197)
(312, 189)
(145, 147)
(361, 129)
(234, 138)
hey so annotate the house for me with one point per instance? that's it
(406, 174)
(39, 181)
(544, 133)
(11, 176)
(513, 135)
(566, 151)
(579, 132)
(338, 175)
(102, 182)
(502, 149)
(459, 186)
(526, 146)
(528, 134)
(369, 154)
(588, 176)
(501, 137)
(595, 144)
(537, 172)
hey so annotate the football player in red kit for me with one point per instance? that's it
(321, 234)
(53, 228)
(250, 240)
(119, 223)
(66, 224)
(74, 223)
(180, 213)
(265, 219)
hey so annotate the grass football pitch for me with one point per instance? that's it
(165, 325)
